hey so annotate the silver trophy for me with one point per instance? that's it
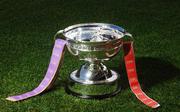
(94, 43)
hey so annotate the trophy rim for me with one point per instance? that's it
(113, 27)
(95, 24)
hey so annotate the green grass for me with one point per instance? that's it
(26, 31)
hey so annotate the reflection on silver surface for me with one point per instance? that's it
(93, 32)
(94, 43)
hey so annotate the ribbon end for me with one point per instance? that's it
(11, 99)
(156, 106)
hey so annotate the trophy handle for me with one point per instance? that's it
(128, 37)
(75, 53)
(59, 35)
(128, 34)
(114, 53)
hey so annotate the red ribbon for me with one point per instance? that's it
(132, 76)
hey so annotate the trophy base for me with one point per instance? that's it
(93, 84)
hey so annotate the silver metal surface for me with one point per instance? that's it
(89, 77)
(94, 43)
(94, 89)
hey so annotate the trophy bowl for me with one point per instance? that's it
(94, 43)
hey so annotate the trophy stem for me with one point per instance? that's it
(93, 80)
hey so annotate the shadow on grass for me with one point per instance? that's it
(151, 71)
